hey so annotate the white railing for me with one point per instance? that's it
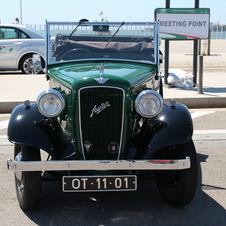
(217, 30)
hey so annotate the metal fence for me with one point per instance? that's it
(217, 30)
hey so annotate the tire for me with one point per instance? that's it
(28, 184)
(178, 187)
(26, 65)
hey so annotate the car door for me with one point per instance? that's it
(13, 43)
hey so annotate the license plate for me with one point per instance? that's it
(99, 183)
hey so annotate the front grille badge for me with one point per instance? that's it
(113, 147)
(97, 110)
(101, 80)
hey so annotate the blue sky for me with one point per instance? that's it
(36, 12)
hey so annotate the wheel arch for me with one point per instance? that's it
(178, 128)
(27, 126)
(22, 129)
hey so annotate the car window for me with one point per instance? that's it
(12, 33)
(22, 35)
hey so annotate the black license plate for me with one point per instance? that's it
(99, 183)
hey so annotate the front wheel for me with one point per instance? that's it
(178, 187)
(28, 184)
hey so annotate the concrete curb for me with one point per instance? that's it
(7, 107)
(213, 102)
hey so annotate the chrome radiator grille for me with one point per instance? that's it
(101, 118)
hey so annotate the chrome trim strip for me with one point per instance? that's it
(58, 165)
(103, 60)
(123, 110)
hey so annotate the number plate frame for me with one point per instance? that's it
(99, 183)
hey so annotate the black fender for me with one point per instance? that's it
(176, 128)
(28, 127)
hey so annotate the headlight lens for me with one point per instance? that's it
(149, 103)
(50, 103)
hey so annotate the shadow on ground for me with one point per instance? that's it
(143, 207)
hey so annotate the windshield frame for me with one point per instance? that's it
(50, 39)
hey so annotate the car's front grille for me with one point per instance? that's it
(101, 118)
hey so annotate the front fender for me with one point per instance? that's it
(22, 129)
(177, 129)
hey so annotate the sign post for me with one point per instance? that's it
(167, 42)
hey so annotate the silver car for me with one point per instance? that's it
(18, 44)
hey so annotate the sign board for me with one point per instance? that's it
(186, 23)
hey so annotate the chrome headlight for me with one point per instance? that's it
(50, 103)
(149, 103)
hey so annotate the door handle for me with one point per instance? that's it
(19, 43)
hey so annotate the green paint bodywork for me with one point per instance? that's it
(68, 78)
(75, 75)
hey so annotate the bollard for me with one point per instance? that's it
(200, 84)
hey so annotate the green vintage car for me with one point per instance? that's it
(103, 124)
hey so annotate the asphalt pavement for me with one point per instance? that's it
(15, 87)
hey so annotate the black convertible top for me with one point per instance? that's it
(103, 46)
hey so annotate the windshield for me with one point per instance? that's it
(102, 41)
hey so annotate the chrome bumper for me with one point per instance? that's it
(59, 165)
